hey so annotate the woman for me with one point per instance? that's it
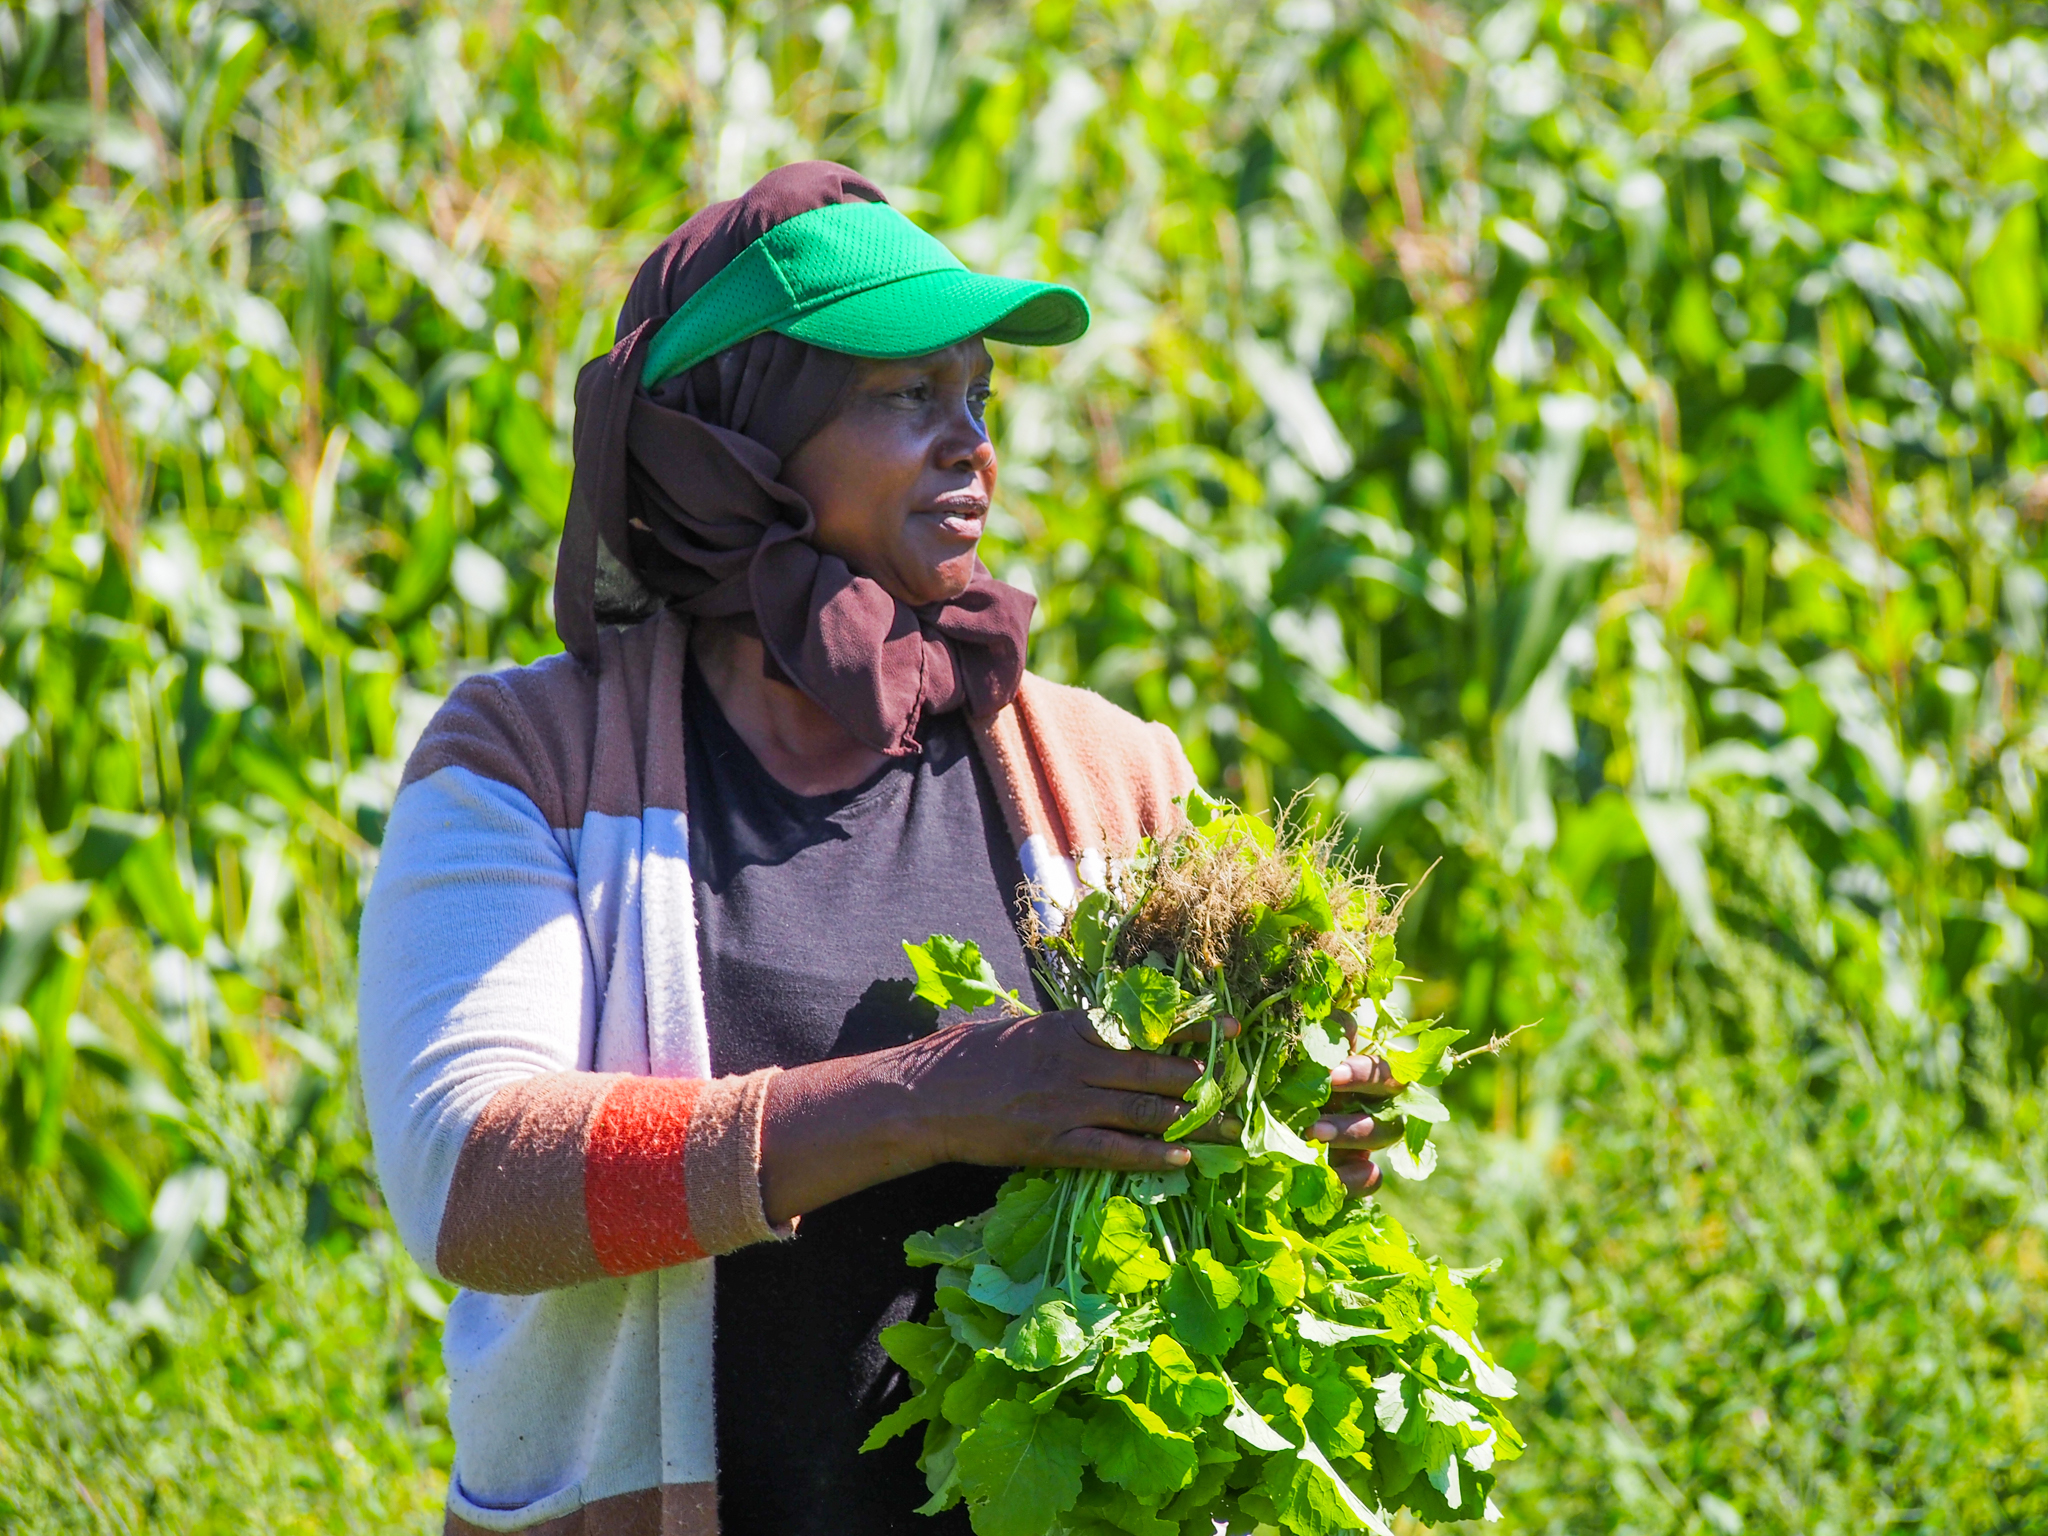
(604, 1042)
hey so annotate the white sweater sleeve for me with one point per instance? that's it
(475, 975)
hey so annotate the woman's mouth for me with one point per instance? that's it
(962, 519)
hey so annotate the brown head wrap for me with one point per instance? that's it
(681, 486)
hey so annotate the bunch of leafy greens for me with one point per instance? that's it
(1238, 1341)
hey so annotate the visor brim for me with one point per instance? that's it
(935, 310)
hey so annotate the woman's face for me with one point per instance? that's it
(901, 478)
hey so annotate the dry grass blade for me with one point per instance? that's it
(1202, 896)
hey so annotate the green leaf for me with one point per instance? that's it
(1226, 825)
(1146, 1003)
(1304, 1084)
(1267, 935)
(1134, 1448)
(973, 1323)
(1321, 1330)
(1395, 1398)
(1195, 1392)
(1317, 1193)
(31, 921)
(1117, 1250)
(1021, 1470)
(916, 1411)
(1403, 1309)
(1695, 333)
(1247, 1424)
(951, 973)
(102, 839)
(1458, 1307)
(1393, 1250)
(940, 1465)
(1020, 1224)
(986, 1381)
(1154, 1188)
(1487, 1377)
(1319, 979)
(1285, 1276)
(1383, 967)
(1046, 1335)
(1201, 1299)
(1426, 1058)
(952, 1244)
(1266, 1135)
(424, 572)
(919, 1348)
(1109, 1029)
(993, 1287)
(1414, 1134)
(1091, 928)
(1348, 1503)
(1107, 1510)
(50, 1004)
(2006, 281)
(1213, 1161)
(113, 1179)
(1418, 1103)
(1206, 1095)
(1325, 1043)
(1310, 907)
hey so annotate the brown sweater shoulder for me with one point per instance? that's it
(545, 729)
(1085, 772)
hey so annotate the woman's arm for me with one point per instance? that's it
(475, 988)
(507, 1168)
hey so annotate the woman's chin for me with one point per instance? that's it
(946, 590)
(939, 581)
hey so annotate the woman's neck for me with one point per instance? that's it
(803, 748)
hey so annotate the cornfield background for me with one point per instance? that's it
(1598, 449)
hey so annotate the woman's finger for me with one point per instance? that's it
(1359, 1131)
(1127, 1111)
(1368, 1075)
(1223, 1130)
(1359, 1174)
(1092, 1146)
(1142, 1071)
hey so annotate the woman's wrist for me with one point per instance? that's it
(833, 1128)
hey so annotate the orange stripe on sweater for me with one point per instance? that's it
(633, 1187)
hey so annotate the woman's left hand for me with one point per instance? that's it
(1349, 1126)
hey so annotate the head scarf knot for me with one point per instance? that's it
(681, 486)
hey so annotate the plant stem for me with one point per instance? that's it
(1054, 1262)
(1159, 1226)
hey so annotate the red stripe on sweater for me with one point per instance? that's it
(633, 1189)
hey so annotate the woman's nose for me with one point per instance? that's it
(967, 446)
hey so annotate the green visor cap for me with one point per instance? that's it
(858, 278)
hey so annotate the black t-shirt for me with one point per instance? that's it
(803, 903)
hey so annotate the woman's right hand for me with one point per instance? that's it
(1042, 1091)
(1045, 1092)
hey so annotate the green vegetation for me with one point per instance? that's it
(1280, 1355)
(1599, 446)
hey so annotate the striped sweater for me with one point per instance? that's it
(536, 1060)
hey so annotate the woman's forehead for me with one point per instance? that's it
(969, 356)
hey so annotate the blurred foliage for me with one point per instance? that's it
(1596, 446)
